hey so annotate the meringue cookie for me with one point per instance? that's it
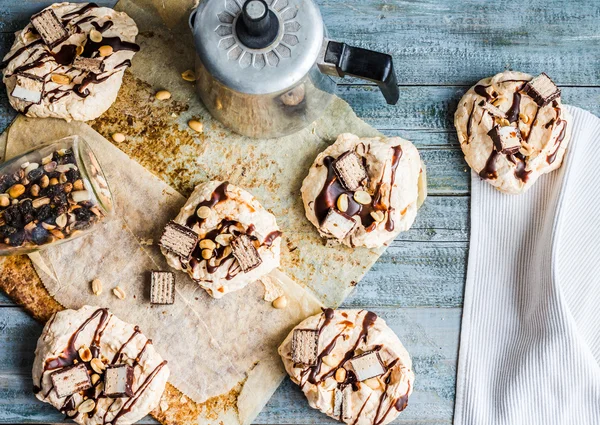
(395, 188)
(544, 132)
(71, 93)
(218, 212)
(361, 372)
(65, 339)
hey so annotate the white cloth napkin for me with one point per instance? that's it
(530, 339)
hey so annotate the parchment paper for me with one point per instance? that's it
(212, 345)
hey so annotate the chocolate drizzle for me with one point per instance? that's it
(490, 171)
(481, 91)
(513, 113)
(271, 238)
(80, 11)
(389, 225)
(218, 195)
(561, 136)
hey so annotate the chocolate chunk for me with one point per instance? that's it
(350, 170)
(50, 28)
(162, 287)
(118, 381)
(88, 64)
(342, 403)
(70, 380)
(29, 88)
(506, 139)
(338, 224)
(542, 89)
(367, 365)
(305, 346)
(244, 251)
(178, 239)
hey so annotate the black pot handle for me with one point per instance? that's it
(340, 60)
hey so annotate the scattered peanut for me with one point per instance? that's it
(60, 79)
(4, 200)
(87, 406)
(340, 374)
(95, 36)
(378, 216)
(53, 181)
(118, 137)
(96, 283)
(224, 239)
(105, 51)
(162, 95)
(67, 187)
(362, 197)
(203, 212)
(188, 75)
(196, 125)
(207, 244)
(524, 118)
(342, 202)
(85, 354)
(78, 185)
(207, 253)
(16, 190)
(119, 293)
(34, 190)
(97, 365)
(280, 302)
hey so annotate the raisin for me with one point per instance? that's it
(6, 231)
(67, 158)
(36, 174)
(39, 235)
(54, 190)
(7, 181)
(17, 238)
(82, 214)
(13, 217)
(26, 210)
(44, 212)
(72, 175)
(60, 199)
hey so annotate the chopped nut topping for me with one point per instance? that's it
(203, 212)
(95, 378)
(378, 216)
(207, 253)
(95, 36)
(340, 375)
(87, 406)
(207, 244)
(342, 202)
(60, 79)
(85, 354)
(224, 239)
(16, 190)
(105, 51)
(362, 197)
(97, 365)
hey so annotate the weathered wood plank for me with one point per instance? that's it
(430, 335)
(432, 108)
(436, 42)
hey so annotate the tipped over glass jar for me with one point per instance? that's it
(51, 195)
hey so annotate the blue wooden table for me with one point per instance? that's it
(441, 47)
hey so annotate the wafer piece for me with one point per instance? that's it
(506, 139)
(88, 64)
(305, 346)
(542, 89)
(342, 403)
(50, 28)
(367, 365)
(162, 287)
(70, 380)
(338, 224)
(350, 170)
(118, 381)
(178, 240)
(244, 251)
(29, 87)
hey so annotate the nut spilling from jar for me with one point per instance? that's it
(44, 202)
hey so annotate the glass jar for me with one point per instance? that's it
(51, 195)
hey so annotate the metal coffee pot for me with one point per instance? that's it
(263, 67)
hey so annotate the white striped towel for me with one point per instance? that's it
(530, 338)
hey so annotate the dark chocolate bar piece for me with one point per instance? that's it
(305, 346)
(506, 139)
(29, 88)
(179, 240)
(542, 90)
(244, 251)
(162, 287)
(118, 381)
(350, 170)
(88, 64)
(338, 224)
(70, 380)
(50, 28)
(367, 365)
